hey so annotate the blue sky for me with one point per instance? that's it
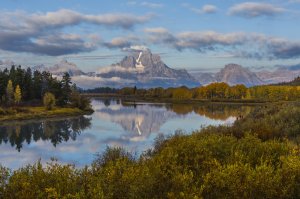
(195, 35)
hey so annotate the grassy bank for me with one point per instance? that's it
(27, 113)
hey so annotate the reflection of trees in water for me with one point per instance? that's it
(141, 118)
(56, 131)
(223, 112)
(212, 111)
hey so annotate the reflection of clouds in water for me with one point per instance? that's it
(133, 127)
(79, 152)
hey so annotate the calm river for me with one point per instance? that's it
(133, 126)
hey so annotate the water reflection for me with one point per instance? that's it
(146, 118)
(114, 123)
(56, 131)
(212, 111)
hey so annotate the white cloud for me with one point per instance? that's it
(253, 9)
(209, 9)
(159, 30)
(122, 42)
(146, 4)
(115, 69)
(152, 5)
(136, 48)
(93, 82)
(66, 17)
(206, 9)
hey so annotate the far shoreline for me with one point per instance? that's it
(136, 98)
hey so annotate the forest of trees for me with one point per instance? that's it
(219, 91)
(27, 87)
(287, 91)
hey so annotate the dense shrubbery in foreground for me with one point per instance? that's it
(202, 165)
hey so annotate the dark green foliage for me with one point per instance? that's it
(79, 101)
(64, 97)
(105, 90)
(35, 84)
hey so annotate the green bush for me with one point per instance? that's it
(49, 101)
(81, 102)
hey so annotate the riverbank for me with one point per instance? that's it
(28, 113)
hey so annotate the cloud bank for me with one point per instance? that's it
(42, 33)
(241, 44)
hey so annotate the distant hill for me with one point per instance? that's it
(236, 74)
(231, 74)
(278, 76)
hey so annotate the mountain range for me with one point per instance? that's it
(236, 74)
(143, 69)
(148, 70)
(139, 68)
(232, 74)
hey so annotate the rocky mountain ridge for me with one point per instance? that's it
(147, 66)
(236, 74)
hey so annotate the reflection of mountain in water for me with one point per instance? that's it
(56, 131)
(144, 119)
(137, 119)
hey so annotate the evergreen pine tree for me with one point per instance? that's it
(66, 89)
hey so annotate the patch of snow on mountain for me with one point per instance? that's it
(139, 64)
